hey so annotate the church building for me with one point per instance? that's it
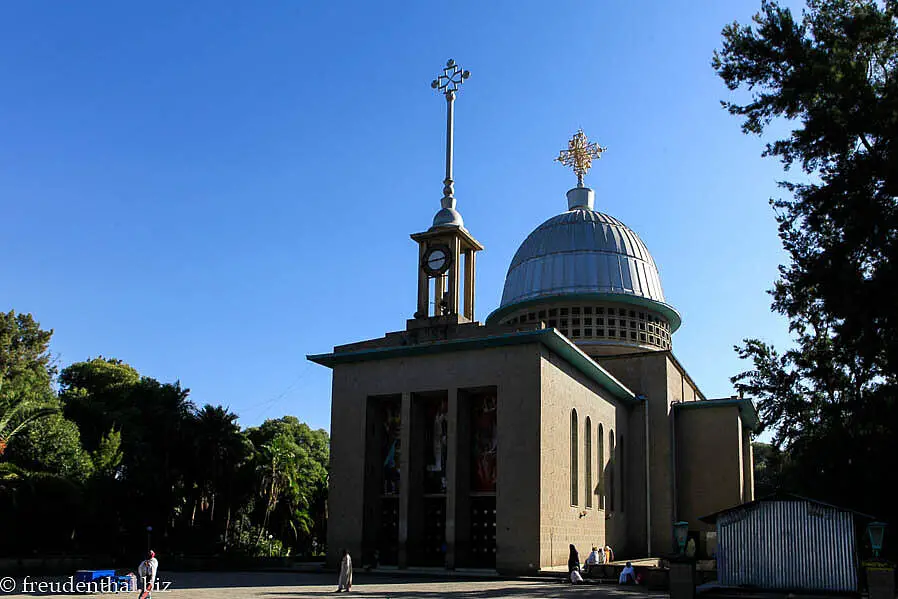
(564, 418)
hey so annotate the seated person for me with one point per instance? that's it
(627, 575)
(592, 560)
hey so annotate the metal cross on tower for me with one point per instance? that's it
(447, 84)
(579, 155)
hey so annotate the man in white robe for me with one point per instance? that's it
(147, 574)
(345, 581)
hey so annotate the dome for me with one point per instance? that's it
(582, 254)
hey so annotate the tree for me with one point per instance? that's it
(24, 349)
(831, 399)
(221, 453)
(302, 512)
(52, 445)
(25, 374)
(21, 404)
(107, 458)
(152, 420)
(97, 396)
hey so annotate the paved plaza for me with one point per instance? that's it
(254, 585)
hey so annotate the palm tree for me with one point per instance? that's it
(278, 472)
(220, 449)
(18, 410)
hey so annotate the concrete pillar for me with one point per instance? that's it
(748, 491)
(469, 284)
(452, 470)
(682, 579)
(439, 284)
(405, 438)
(880, 581)
(423, 285)
(454, 272)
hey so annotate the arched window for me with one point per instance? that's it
(587, 457)
(601, 473)
(612, 464)
(623, 472)
(575, 449)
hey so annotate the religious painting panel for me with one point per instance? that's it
(391, 448)
(436, 430)
(484, 443)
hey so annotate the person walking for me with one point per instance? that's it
(345, 580)
(573, 560)
(147, 574)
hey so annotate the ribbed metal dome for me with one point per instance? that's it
(581, 251)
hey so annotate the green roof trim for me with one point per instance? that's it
(550, 338)
(746, 408)
(672, 316)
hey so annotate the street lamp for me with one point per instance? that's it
(876, 531)
(270, 537)
(681, 532)
(149, 532)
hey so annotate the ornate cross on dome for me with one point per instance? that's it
(579, 155)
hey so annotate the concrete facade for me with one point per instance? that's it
(714, 460)
(563, 520)
(642, 461)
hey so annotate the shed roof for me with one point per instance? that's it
(780, 496)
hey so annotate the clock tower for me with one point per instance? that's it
(446, 251)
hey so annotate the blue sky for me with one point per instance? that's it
(212, 190)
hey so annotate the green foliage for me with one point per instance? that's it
(831, 399)
(24, 349)
(295, 458)
(22, 402)
(113, 452)
(25, 374)
(108, 456)
(769, 465)
(51, 445)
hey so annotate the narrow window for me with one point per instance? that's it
(623, 473)
(612, 464)
(587, 457)
(574, 451)
(601, 439)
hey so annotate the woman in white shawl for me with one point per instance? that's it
(345, 573)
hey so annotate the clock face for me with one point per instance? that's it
(436, 260)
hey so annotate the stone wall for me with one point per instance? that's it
(512, 370)
(562, 523)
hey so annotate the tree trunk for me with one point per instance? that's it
(227, 527)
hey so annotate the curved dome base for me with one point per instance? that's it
(599, 324)
(665, 310)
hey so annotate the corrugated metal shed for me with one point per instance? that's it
(787, 542)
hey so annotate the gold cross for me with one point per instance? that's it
(579, 155)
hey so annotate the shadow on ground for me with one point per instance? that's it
(276, 585)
